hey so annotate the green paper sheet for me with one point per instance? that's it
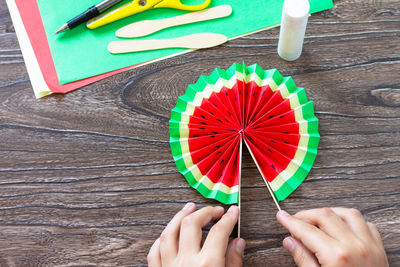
(81, 53)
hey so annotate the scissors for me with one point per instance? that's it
(137, 6)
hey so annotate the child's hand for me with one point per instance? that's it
(332, 237)
(179, 243)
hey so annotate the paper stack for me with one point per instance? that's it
(64, 62)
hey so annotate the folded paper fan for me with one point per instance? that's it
(259, 107)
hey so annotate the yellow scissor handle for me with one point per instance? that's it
(131, 8)
(177, 4)
(137, 6)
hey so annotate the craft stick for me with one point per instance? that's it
(265, 180)
(146, 27)
(192, 41)
(240, 182)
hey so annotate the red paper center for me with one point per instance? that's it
(262, 117)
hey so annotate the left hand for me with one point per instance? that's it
(179, 243)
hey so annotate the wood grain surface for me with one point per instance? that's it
(87, 178)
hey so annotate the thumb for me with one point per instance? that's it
(301, 255)
(235, 252)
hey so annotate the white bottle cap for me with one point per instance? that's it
(293, 27)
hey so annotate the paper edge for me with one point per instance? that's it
(39, 85)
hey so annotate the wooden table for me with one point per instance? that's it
(87, 178)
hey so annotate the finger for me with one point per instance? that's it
(329, 222)
(235, 252)
(355, 220)
(301, 255)
(218, 237)
(376, 235)
(169, 237)
(378, 240)
(374, 232)
(154, 256)
(191, 228)
(312, 238)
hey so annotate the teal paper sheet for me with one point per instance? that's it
(81, 53)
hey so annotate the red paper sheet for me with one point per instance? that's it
(30, 15)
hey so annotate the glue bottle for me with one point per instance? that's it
(293, 27)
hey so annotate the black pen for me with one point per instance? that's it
(90, 13)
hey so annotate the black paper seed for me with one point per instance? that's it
(226, 93)
(202, 116)
(203, 123)
(202, 128)
(286, 142)
(254, 93)
(273, 167)
(219, 120)
(221, 161)
(212, 136)
(217, 146)
(235, 98)
(234, 163)
(211, 113)
(285, 132)
(229, 113)
(218, 152)
(263, 92)
(270, 117)
(272, 141)
(215, 132)
(269, 150)
(195, 135)
(281, 117)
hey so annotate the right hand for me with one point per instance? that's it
(333, 237)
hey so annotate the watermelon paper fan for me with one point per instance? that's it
(249, 105)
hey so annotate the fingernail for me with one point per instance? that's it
(240, 245)
(232, 208)
(188, 206)
(283, 213)
(288, 243)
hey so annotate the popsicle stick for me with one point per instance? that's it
(240, 182)
(192, 41)
(259, 169)
(146, 27)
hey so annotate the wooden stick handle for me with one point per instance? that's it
(146, 27)
(192, 41)
(240, 183)
(266, 183)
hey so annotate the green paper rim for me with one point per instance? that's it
(271, 77)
